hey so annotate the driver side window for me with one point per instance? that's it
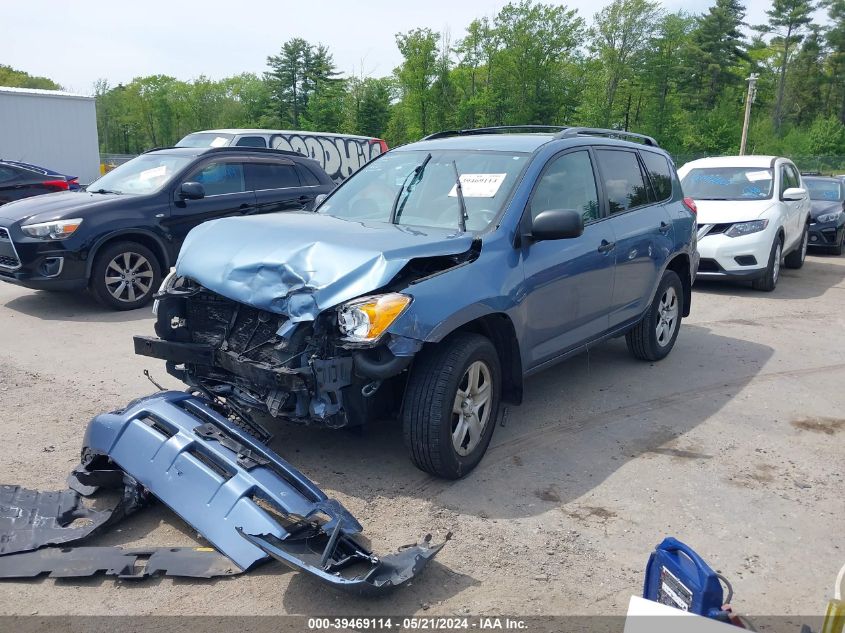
(568, 183)
(220, 178)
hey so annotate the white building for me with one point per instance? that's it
(52, 129)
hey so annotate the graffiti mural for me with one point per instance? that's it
(339, 156)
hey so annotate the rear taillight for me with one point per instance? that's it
(56, 184)
(689, 203)
(382, 144)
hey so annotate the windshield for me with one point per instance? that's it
(418, 188)
(824, 189)
(728, 183)
(209, 139)
(142, 175)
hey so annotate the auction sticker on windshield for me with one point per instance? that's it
(754, 176)
(154, 172)
(479, 185)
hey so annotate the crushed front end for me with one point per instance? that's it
(261, 363)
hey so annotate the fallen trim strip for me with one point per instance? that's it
(131, 564)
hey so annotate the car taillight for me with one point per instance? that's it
(689, 203)
(56, 184)
(382, 144)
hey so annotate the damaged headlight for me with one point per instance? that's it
(55, 230)
(364, 320)
(172, 280)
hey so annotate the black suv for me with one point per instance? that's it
(118, 236)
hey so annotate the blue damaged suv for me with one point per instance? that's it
(431, 282)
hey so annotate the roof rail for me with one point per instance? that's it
(497, 129)
(260, 150)
(234, 148)
(572, 132)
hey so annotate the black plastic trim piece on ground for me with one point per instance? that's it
(130, 564)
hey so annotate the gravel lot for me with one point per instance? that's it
(733, 444)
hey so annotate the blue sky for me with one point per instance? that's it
(77, 43)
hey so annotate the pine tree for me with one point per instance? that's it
(717, 46)
(788, 20)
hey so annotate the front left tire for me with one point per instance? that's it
(125, 275)
(451, 404)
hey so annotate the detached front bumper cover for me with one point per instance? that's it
(240, 495)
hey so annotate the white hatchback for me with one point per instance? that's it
(753, 215)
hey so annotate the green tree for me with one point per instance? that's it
(19, 79)
(788, 21)
(835, 39)
(716, 50)
(368, 106)
(416, 76)
(537, 45)
(664, 70)
(287, 76)
(620, 38)
(807, 80)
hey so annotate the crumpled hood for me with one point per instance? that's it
(301, 263)
(821, 207)
(56, 206)
(724, 211)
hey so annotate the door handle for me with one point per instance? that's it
(606, 247)
(664, 228)
(304, 198)
(246, 208)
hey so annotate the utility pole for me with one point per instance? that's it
(749, 99)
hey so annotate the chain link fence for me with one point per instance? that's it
(110, 161)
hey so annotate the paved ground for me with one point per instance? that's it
(733, 444)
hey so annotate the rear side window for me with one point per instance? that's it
(567, 183)
(623, 180)
(220, 178)
(272, 176)
(251, 141)
(307, 176)
(660, 173)
(7, 174)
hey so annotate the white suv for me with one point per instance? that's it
(753, 214)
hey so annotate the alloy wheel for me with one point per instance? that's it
(129, 277)
(471, 408)
(667, 316)
(776, 264)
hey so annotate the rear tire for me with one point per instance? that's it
(796, 258)
(654, 336)
(447, 428)
(769, 280)
(125, 276)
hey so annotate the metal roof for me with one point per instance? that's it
(265, 131)
(38, 92)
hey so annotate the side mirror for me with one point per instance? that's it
(191, 191)
(319, 200)
(557, 224)
(794, 193)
